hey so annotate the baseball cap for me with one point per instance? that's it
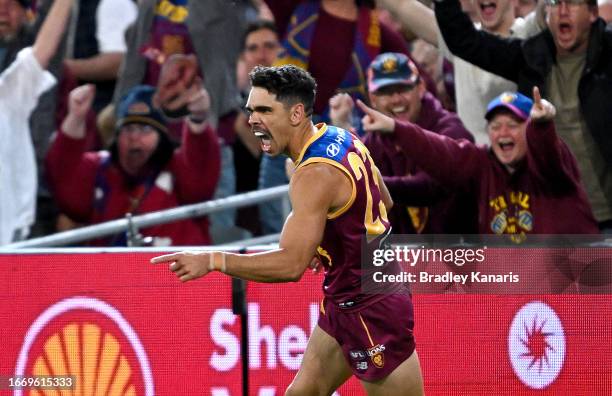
(137, 107)
(391, 68)
(519, 104)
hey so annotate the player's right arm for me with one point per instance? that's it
(312, 195)
(314, 190)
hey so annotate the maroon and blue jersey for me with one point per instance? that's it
(364, 215)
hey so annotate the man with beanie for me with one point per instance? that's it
(421, 205)
(143, 171)
(523, 181)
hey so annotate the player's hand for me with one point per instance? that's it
(341, 110)
(186, 265)
(375, 121)
(80, 100)
(542, 110)
(315, 265)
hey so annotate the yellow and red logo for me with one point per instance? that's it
(376, 355)
(389, 65)
(91, 341)
(508, 97)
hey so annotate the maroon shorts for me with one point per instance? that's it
(375, 339)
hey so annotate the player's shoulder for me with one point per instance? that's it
(332, 143)
(316, 173)
(323, 177)
(321, 185)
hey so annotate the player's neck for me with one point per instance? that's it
(300, 138)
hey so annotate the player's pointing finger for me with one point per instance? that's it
(165, 258)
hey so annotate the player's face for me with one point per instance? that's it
(569, 21)
(269, 120)
(261, 48)
(400, 101)
(136, 144)
(12, 17)
(508, 140)
(493, 14)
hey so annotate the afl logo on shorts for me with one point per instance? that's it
(90, 340)
(536, 345)
(332, 150)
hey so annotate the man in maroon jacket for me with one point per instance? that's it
(422, 205)
(143, 171)
(527, 182)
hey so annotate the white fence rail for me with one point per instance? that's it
(160, 217)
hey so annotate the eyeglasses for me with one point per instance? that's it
(142, 129)
(268, 45)
(556, 3)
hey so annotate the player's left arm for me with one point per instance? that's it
(313, 192)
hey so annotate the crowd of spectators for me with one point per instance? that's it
(442, 94)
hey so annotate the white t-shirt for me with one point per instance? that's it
(113, 17)
(475, 88)
(21, 84)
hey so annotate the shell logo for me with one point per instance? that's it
(89, 339)
(536, 345)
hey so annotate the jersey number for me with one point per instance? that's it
(374, 226)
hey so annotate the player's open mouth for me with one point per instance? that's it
(266, 140)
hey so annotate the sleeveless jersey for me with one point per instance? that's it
(364, 215)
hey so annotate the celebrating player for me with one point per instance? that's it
(338, 197)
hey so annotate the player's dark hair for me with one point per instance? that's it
(289, 83)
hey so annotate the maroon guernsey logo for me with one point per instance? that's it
(377, 356)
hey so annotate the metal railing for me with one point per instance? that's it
(133, 223)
